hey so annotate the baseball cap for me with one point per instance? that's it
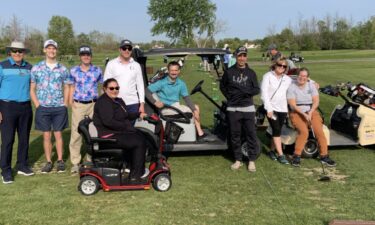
(50, 42)
(125, 42)
(241, 50)
(85, 49)
(272, 47)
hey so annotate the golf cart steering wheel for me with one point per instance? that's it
(197, 87)
(182, 119)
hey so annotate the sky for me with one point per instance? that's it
(245, 19)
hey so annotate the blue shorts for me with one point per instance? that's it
(51, 118)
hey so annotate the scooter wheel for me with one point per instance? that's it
(311, 149)
(88, 185)
(162, 182)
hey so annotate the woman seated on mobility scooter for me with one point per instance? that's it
(303, 100)
(113, 121)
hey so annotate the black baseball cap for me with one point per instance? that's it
(126, 42)
(85, 49)
(241, 50)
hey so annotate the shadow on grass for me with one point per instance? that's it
(36, 151)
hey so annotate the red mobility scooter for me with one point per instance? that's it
(107, 170)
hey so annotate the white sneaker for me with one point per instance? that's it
(251, 167)
(236, 165)
(147, 172)
(74, 169)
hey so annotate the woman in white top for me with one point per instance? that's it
(274, 86)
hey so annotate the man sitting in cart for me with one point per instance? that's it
(169, 90)
(303, 99)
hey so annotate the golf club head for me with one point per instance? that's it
(324, 178)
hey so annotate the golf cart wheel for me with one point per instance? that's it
(162, 182)
(245, 147)
(89, 185)
(311, 149)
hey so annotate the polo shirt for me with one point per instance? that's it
(50, 83)
(15, 81)
(86, 82)
(130, 79)
(169, 92)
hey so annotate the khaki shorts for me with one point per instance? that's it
(183, 108)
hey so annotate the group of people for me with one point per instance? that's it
(52, 88)
(281, 96)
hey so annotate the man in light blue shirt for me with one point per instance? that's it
(169, 90)
(15, 111)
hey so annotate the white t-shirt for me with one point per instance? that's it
(130, 79)
(270, 84)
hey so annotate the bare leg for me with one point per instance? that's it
(59, 144)
(197, 121)
(47, 145)
(277, 144)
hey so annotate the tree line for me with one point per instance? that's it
(324, 34)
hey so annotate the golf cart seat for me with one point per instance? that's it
(100, 148)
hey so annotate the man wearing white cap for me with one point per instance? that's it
(128, 73)
(49, 91)
(15, 111)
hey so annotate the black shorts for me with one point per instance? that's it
(51, 118)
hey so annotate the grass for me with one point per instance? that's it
(204, 190)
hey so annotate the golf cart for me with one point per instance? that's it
(180, 131)
(296, 57)
(351, 124)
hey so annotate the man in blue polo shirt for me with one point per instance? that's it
(170, 89)
(83, 94)
(15, 111)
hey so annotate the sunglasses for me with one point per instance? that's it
(283, 66)
(17, 50)
(114, 88)
(129, 48)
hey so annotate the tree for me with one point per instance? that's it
(60, 29)
(182, 20)
(83, 39)
(34, 41)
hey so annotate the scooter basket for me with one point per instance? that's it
(172, 132)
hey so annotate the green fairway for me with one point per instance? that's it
(205, 190)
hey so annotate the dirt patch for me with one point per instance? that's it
(333, 173)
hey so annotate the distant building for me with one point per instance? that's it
(252, 46)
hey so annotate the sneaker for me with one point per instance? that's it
(26, 171)
(272, 155)
(205, 138)
(282, 159)
(147, 172)
(7, 179)
(60, 166)
(75, 168)
(296, 161)
(47, 168)
(236, 165)
(251, 167)
(327, 161)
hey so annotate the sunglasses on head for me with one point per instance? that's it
(283, 66)
(129, 48)
(114, 88)
(17, 50)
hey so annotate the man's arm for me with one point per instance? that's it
(33, 97)
(141, 89)
(223, 84)
(66, 94)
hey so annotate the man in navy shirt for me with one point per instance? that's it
(15, 111)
